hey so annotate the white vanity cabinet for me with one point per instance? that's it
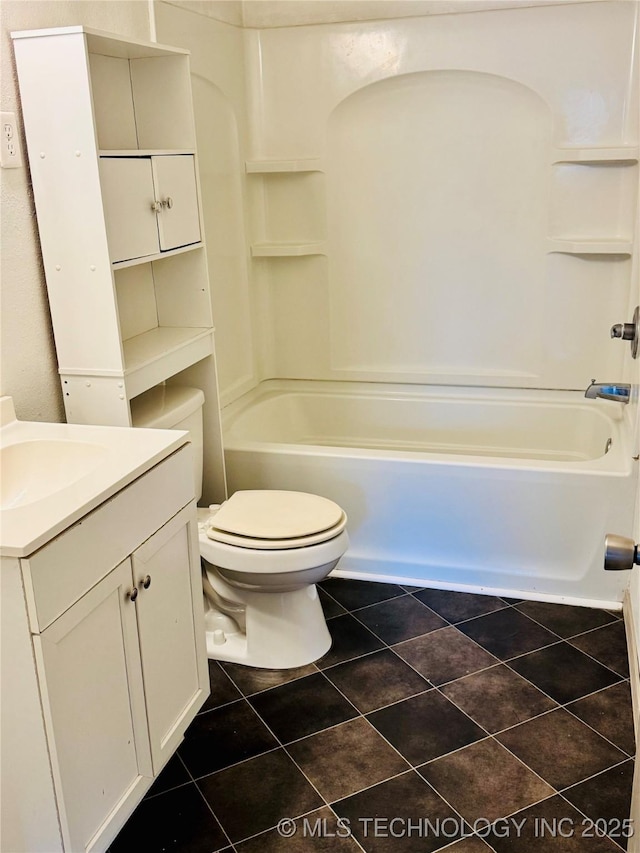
(113, 607)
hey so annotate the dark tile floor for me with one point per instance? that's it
(434, 714)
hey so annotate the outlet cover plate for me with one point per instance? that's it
(10, 153)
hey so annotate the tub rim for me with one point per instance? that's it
(618, 462)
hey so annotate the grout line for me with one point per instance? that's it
(272, 687)
(574, 637)
(593, 776)
(202, 714)
(292, 759)
(271, 828)
(215, 817)
(586, 654)
(571, 636)
(589, 726)
(197, 779)
(351, 835)
(581, 811)
(376, 603)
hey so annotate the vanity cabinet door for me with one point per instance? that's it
(93, 703)
(166, 571)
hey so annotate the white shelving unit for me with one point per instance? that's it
(112, 151)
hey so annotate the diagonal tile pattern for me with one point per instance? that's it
(433, 714)
(467, 779)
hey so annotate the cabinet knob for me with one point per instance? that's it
(156, 206)
(133, 594)
(167, 202)
(146, 583)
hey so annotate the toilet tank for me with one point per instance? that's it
(174, 407)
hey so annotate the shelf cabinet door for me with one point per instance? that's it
(150, 204)
(175, 182)
(128, 196)
(93, 703)
(166, 571)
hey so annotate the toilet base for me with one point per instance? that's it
(283, 630)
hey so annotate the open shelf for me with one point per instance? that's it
(287, 250)
(145, 259)
(156, 355)
(265, 167)
(590, 247)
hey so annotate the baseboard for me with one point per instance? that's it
(374, 570)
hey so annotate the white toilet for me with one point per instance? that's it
(263, 553)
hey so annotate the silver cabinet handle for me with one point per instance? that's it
(133, 594)
(156, 206)
(146, 583)
(167, 202)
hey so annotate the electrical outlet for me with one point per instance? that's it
(10, 154)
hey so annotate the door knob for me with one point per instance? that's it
(620, 553)
(629, 332)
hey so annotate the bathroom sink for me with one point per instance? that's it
(52, 475)
(32, 470)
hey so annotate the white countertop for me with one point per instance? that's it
(123, 454)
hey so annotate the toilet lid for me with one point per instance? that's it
(276, 519)
(277, 544)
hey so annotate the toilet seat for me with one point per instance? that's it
(275, 520)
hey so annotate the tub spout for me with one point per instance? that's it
(609, 391)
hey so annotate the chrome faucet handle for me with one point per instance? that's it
(629, 332)
(626, 331)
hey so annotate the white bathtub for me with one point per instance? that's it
(508, 492)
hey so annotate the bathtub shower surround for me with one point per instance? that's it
(441, 212)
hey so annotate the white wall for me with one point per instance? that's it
(27, 354)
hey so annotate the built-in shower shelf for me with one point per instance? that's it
(590, 247)
(621, 154)
(266, 167)
(287, 250)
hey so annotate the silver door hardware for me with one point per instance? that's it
(620, 553)
(167, 202)
(629, 332)
(156, 206)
